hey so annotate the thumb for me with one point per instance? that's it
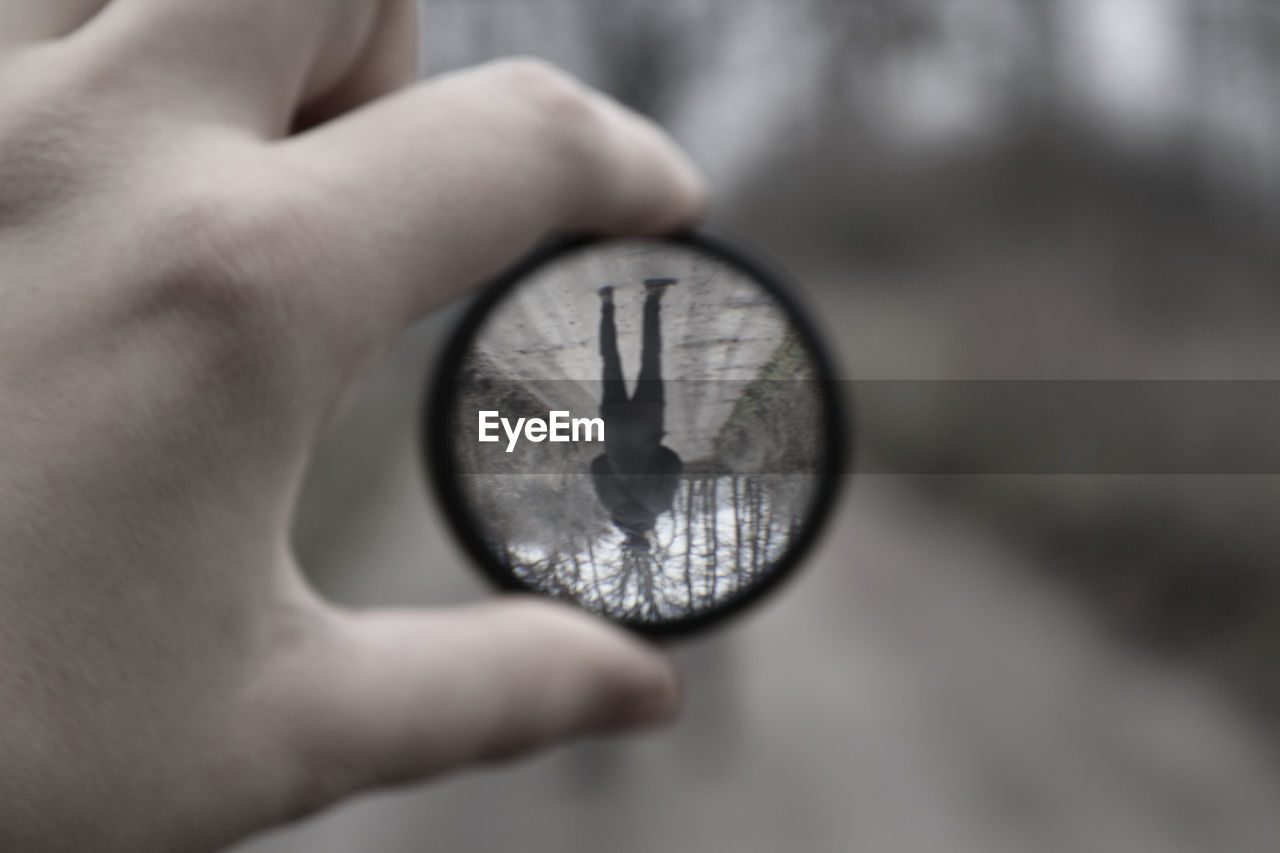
(406, 695)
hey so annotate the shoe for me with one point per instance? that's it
(657, 285)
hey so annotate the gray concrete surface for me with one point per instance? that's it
(719, 329)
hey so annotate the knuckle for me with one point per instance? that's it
(221, 257)
(46, 133)
(558, 103)
(541, 80)
(563, 120)
(218, 275)
(292, 706)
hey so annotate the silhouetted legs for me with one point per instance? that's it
(649, 384)
(615, 386)
(637, 419)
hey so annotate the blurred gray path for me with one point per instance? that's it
(916, 689)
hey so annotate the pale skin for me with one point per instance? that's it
(214, 217)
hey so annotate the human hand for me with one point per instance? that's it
(213, 217)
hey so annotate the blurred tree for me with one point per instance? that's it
(648, 52)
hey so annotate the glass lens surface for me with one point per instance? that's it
(637, 426)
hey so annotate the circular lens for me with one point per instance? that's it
(646, 428)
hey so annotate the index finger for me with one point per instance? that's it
(451, 181)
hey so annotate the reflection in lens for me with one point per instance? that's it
(712, 448)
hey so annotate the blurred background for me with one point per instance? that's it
(967, 190)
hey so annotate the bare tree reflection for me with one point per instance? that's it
(723, 533)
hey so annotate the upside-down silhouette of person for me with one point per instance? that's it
(636, 477)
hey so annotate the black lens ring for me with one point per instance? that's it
(442, 392)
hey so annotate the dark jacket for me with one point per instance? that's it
(637, 492)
